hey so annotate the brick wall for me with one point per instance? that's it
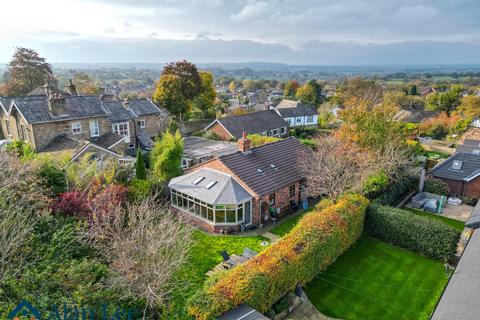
(220, 131)
(468, 189)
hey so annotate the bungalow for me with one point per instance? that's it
(296, 113)
(267, 123)
(461, 172)
(248, 188)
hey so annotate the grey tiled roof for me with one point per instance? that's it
(460, 300)
(468, 146)
(106, 140)
(255, 122)
(283, 155)
(300, 111)
(35, 108)
(225, 191)
(116, 112)
(145, 141)
(63, 143)
(4, 104)
(243, 312)
(142, 107)
(470, 168)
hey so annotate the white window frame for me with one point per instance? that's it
(7, 127)
(76, 128)
(309, 119)
(298, 120)
(94, 128)
(141, 123)
(124, 131)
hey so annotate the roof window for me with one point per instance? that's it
(198, 180)
(210, 184)
(274, 167)
(259, 170)
(457, 165)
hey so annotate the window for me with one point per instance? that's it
(284, 130)
(198, 180)
(292, 191)
(476, 152)
(275, 132)
(271, 199)
(457, 165)
(94, 128)
(122, 129)
(141, 124)
(310, 119)
(210, 184)
(299, 120)
(76, 128)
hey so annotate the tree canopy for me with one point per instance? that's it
(166, 156)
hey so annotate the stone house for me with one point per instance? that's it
(266, 123)
(248, 188)
(57, 118)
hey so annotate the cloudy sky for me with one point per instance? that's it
(294, 32)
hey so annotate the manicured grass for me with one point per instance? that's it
(204, 255)
(451, 222)
(436, 154)
(375, 280)
(286, 225)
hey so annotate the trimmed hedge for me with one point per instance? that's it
(312, 245)
(405, 229)
(396, 190)
(436, 186)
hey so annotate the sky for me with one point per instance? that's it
(334, 32)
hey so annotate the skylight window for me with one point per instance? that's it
(259, 170)
(210, 184)
(198, 180)
(274, 167)
(457, 165)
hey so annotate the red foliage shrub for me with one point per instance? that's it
(72, 203)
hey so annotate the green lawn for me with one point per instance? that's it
(375, 280)
(436, 154)
(451, 222)
(205, 255)
(286, 225)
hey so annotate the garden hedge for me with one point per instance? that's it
(405, 229)
(393, 194)
(436, 186)
(312, 245)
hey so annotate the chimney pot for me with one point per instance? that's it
(244, 143)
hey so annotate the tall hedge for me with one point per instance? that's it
(394, 193)
(315, 243)
(406, 229)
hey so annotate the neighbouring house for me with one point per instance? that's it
(72, 121)
(475, 122)
(267, 123)
(197, 150)
(427, 91)
(461, 172)
(248, 188)
(296, 113)
(469, 146)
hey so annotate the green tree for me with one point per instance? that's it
(412, 90)
(172, 126)
(204, 102)
(166, 156)
(445, 101)
(140, 166)
(469, 107)
(306, 94)
(291, 88)
(27, 70)
(190, 80)
(249, 85)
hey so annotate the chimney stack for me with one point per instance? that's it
(51, 86)
(71, 88)
(56, 104)
(125, 103)
(244, 143)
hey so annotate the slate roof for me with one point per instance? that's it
(269, 167)
(300, 111)
(470, 168)
(35, 108)
(242, 312)
(196, 147)
(63, 143)
(225, 191)
(106, 140)
(461, 297)
(143, 107)
(468, 146)
(145, 141)
(116, 112)
(254, 122)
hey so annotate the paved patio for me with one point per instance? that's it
(461, 212)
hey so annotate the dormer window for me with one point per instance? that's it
(457, 165)
(76, 128)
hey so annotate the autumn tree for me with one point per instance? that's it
(232, 86)
(84, 83)
(291, 88)
(166, 156)
(359, 88)
(27, 70)
(310, 93)
(469, 107)
(179, 84)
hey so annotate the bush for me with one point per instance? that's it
(72, 203)
(396, 190)
(405, 229)
(259, 140)
(21, 149)
(375, 185)
(315, 243)
(54, 177)
(436, 186)
(139, 189)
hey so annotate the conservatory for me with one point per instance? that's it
(213, 197)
